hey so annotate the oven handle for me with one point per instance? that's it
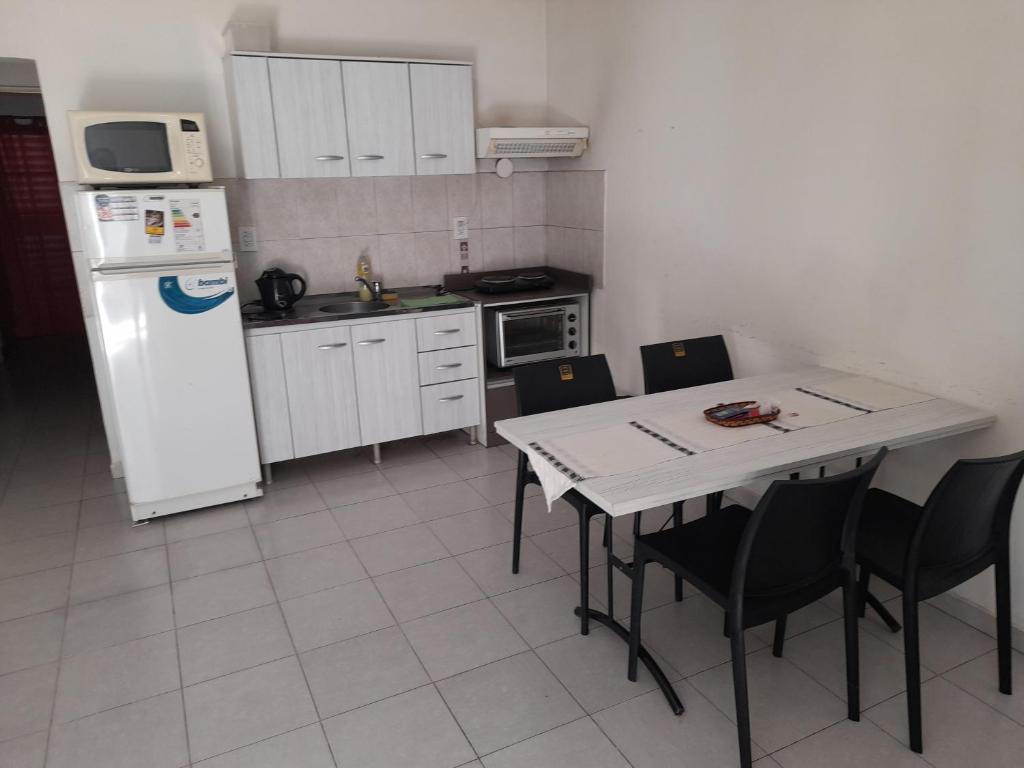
(541, 311)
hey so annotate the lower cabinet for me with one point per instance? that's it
(450, 406)
(270, 398)
(387, 380)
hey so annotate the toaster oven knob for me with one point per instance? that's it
(571, 318)
(572, 345)
(572, 331)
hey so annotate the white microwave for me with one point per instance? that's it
(125, 148)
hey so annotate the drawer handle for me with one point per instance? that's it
(447, 366)
(335, 345)
(447, 331)
(330, 157)
(370, 157)
(450, 398)
(433, 156)
(367, 342)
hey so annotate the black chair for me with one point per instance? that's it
(962, 529)
(795, 547)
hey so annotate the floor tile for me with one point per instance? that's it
(24, 751)
(62, 518)
(245, 707)
(302, 748)
(330, 466)
(479, 463)
(537, 519)
(356, 488)
(38, 554)
(451, 443)
(425, 589)
(424, 474)
(147, 733)
(33, 472)
(289, 473)
(34, 593)
(314, 569)
(221, 593)
(428, 738)
(816, 614)
(542, 613)
(295, 534)
(398, 549)
(26, 497)
(594, 668)
(957, 729)
(472, 530)
(659, 588)
(462, 638)
(375, 516)
(980, 678)
(398, 452)
(579, 744)
(786, 705)
(500, 487)
(121, 674)
(117, 538)
(362, 670)
(849, 745)
(335, 614)
(505, 702)
(105, 510)
(30, 641)
(651, 736)
(118, 619)
(26, 698)
(213, 552)
(111, 576)
(203, 522)
(444, 500)
(101, 484)
(228, 644)
(277, 504)
(491, 568)
(563, 545)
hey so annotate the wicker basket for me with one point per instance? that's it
(743, 421)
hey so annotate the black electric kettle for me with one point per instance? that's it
(277, 289)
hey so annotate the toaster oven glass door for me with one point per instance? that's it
(531, 336)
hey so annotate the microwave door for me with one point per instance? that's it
(129, 146)
(535, 335)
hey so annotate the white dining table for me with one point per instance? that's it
(690, 474)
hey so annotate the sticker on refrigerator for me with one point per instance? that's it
(187, 224)
(116, 207)
(194, 294)
(155, 225)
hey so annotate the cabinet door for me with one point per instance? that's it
(379, 118)
(269, 398)
(450, 406)
(387, 380)
(309, 114)
(442, 112)
(255, 138)
(321, 390)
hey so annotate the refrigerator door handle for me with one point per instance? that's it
(143, 269)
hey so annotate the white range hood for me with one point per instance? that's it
(531, 142)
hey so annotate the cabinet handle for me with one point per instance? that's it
(370, 157)
(433, 156)
(367, 342)
(330, 157)
(335, 345)
(447, 366)
(450, 399)
(447, 331)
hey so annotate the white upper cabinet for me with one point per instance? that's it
(256, 144)
(309, 115)
(379, 118)
(442, 115)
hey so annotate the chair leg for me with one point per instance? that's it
(912, 653)
(1003, 636)
(714, 502)
(606, 536)
(584, 571)
(780, 636)
(739, 682)
(517, 525)
(677, 521)
(850, 594)
(635, 612)
(862, 591)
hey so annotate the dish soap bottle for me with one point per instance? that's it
(363, 271)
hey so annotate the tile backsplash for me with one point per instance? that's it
(319, 227)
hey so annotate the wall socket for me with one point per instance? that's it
(247, 239)
(460, 228)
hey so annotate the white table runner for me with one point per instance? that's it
(802, 409)
(870, 394)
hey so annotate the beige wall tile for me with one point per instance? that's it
(589, 190)
(275, 207)
(316, 208)
(429, 204)
(554, 244)
(499, 248)
(593, 255)
(530, 247)
(394, 259)
(463, 198)
(529, 199)
(432, 256)
(394, 204)
(356, 206)
(496, 200)
(559, 199)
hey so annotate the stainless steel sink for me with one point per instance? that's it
(355, 307)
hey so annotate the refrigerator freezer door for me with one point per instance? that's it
(176, 363)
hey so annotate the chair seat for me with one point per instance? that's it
(887, 524)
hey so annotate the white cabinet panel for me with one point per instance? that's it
(309, 114)
(448, 365)
(444, 331)
(254, 116)
(321, 390)
(379, 118)
(269, 398)
(442, 111)
(387, 380)
(450, 406)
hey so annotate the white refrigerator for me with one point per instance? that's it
(167, 330)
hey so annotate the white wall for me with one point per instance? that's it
(825, 181)
(106, 54)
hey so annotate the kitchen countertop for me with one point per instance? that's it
(566, 284)
(307, 309)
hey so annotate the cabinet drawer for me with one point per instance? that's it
(450, 406)
(445, 331)
(448, 365)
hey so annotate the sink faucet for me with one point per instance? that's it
(374, 288)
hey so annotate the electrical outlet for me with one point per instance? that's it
(247, 239)
(460, 228)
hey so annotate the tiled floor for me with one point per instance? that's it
(367, 618)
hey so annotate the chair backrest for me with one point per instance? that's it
(968, 511)
(556, 384)
(802, 531)
(687, 363)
